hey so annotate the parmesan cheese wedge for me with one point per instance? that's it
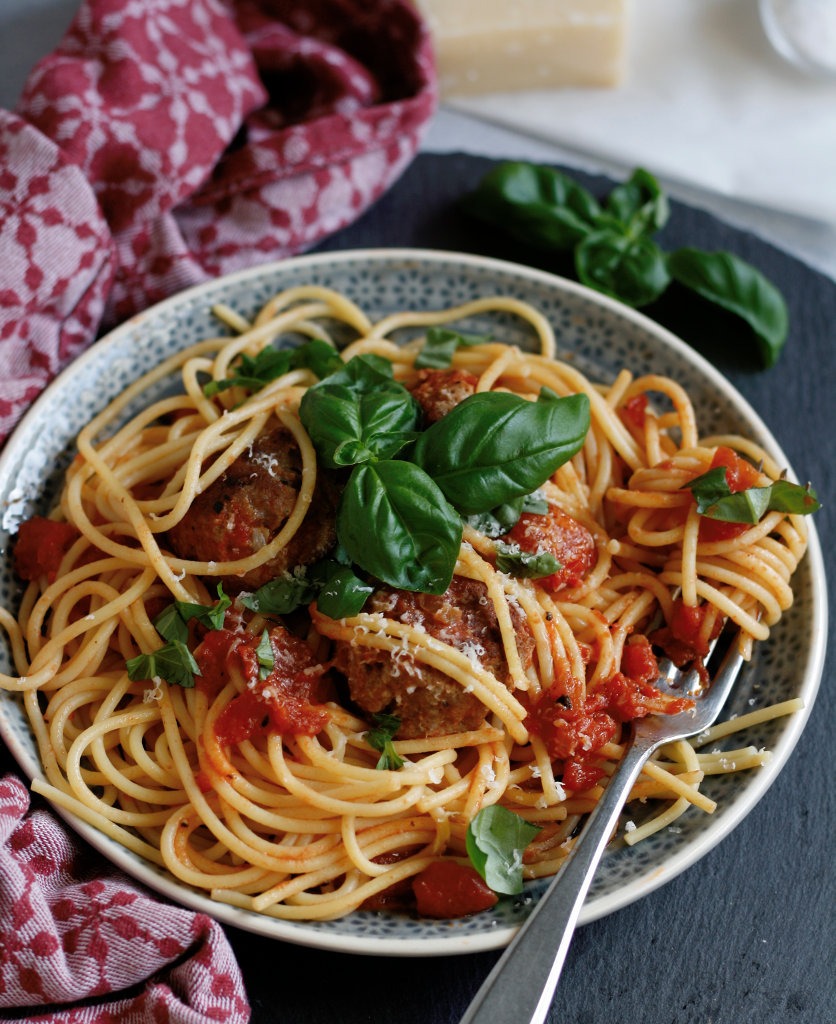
(507, 45)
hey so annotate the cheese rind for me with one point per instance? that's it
(495, 46)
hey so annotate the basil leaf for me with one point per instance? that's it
(496, 840)
(498, 521)
(440, 346)
(536, 204)
(715, 500)
(317, 356)
(358, 415)
(380, 738)
(639, 203)
(171, 625)
(495, 447)
(503, 518)
(265, 656)
(343, 594)
(281, 595)
(253, 373)
(629, 268)
(709, 488)
(394, 522)
(173, 662)
(525, 564)
(172, 622)
(270, 363)
(793, 499)
(741, 289)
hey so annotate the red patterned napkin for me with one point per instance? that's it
(165, 143)
(81, 947)
(162, 144)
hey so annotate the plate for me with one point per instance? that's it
(600, 336)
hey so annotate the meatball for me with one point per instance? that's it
(427, 701)
(439, 391)
(246, 507)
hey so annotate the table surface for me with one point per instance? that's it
(748, 934)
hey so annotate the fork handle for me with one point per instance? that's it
(521, 985)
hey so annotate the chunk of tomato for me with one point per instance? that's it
(40, 546)
(447, 888)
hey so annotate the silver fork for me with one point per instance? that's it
(521, 985)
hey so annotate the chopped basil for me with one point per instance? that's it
(715, 499)
(496, 840)
(172, 622)
(253, 372)
(173, 662)
(281, 596)
(440, 346)
(380, 738)
(498, 521)
(525, 564)
(265, 656)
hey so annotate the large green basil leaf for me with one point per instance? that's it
(536, 204)
(630, 269)
(494, 447)
(740, 288)
(358, 414)
(395, 523)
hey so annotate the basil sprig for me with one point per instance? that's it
(613, 246)
(399, 518)
(715, 499)
(174, 662)
(496, 840)
(359, 413)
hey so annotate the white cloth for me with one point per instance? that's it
(705, 102)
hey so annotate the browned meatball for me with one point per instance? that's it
(439, 391)
(427, 701)
(246, 507)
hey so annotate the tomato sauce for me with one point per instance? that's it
(40, 546)
(284, 702)
(574, 735)
(560, 535)
(634, 411)
(447, 888)
(682, 638)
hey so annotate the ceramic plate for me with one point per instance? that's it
(602, 336)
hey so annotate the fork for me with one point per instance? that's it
(522, 983)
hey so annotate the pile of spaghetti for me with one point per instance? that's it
(292, 627)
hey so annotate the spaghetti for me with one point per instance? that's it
(260, 783)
